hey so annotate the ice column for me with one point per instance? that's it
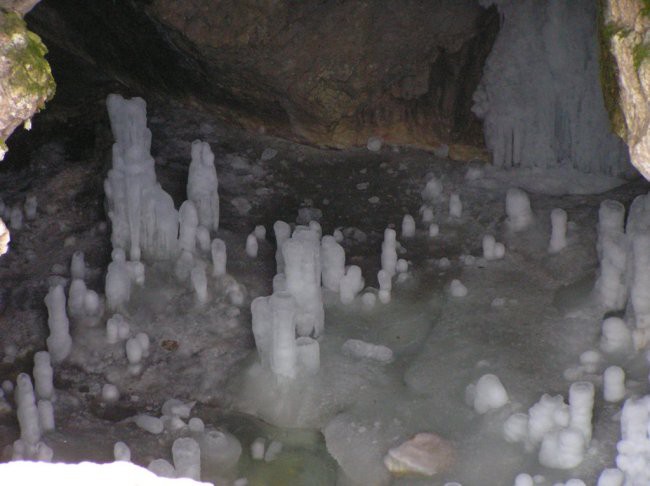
(581, 403)
(219, 257)
(143, 218)
(540, 97)
(332, 263)
(186, 454)
(28, 418)
(520, 216)
(558, 230)
(202, 185)
(43, 376)
(284, 355)
(389, 252)
(282, 233)
(59, 343)
(301, 255)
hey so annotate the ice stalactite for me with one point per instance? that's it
(540, 98)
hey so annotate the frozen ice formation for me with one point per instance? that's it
(85, 473)
(144, 221)
(492, 249)
(455, 206)
(364, 350)
(28, 417)
(78, 266)
(110, 393)
(251, 245)
(274, 329)
(374, 144)
(220, 451)
(31, 205)
(385, 286)
(272, 451)
(59, 343)
(120, 277)
(540, 97)
(426, 214)
(351, 284)
(408, 226)
(117, 329)
(633, 458)
(389, 252)
(612, 252)
(564, 432)
(219, 257)
(199, 283)
(558, 230)
(611, 477)
(121, 451)
(434, 230)
(614, 384)
(43, 376)
(186, 454)
(432, 190)
(426, 454)
(518, 211)
(257, 449)
(151, 424)
(302, 268)
(332, 257)
(282, 233)
(202, 185)
(16, 218)
(616, 337)
(489, 394)
(457, 289)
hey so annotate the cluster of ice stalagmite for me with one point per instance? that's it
(34, 417)
(286, 323)
(562, 431)
(540, 97)
(143, 218)
(624, 280)
(633, 459)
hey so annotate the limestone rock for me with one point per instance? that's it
(628, 24)
(26, 81)
(330, 73)
(425, 454)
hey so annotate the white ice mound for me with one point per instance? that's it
(520, 216)
(489, 394)
(425, 454)
(364, 350)
(85, 473)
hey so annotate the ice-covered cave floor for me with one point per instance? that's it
(535, 330)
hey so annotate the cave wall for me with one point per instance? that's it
(331, 73)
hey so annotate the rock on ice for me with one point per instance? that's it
(425, 453)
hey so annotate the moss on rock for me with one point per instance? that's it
(609, 72)
(26, 80)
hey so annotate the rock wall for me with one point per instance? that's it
(325, 72)
(627, 29)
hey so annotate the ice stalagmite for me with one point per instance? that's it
(302, 267)
(59, 343)
(143, 219)
(202, 185)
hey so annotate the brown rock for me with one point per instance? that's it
(425, 454)
(331, 73)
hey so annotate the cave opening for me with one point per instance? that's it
(324, 242)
